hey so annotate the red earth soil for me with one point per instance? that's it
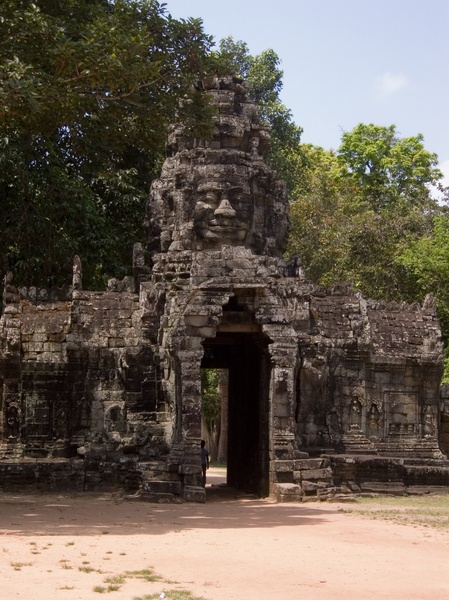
(234, 547)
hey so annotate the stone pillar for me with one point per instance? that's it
(188, 401)
(282, 398)
(185, 452)
(11, 415)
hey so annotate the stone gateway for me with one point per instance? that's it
(328, 391)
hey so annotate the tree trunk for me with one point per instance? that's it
(223, 439)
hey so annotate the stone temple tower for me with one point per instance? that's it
(325, 387)
(218, 226)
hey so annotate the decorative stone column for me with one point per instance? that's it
(282, 398)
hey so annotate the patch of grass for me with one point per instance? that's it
(17, 566)
(145, 574)
(425, 511)
(100, 589)
(119, 579)
(86, 569)
(114, 583)
(67, 587)
(34, 549)
(70, 544)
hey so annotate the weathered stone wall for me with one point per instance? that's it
(111, 379)
(79, 374)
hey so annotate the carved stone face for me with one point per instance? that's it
(220, 192)
(222, 215)
(222, 200)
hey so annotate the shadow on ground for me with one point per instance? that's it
(93, 513)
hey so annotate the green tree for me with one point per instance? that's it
(321, 208)
(355, 211)
(427, 259)
(87, 92)
(389, 170)
(211, 409)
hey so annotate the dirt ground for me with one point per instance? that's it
(71, 547)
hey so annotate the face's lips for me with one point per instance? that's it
(225, 228)
(227, 224)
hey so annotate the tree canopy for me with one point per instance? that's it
(354, 211)
(88, 91)
(390, 171)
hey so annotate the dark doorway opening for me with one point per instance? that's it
(246, 358)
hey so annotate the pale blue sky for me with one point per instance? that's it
(348, 61)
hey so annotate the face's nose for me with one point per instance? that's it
(225, 209)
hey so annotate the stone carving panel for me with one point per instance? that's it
(401, 410)
(355, 415)
(374, 422)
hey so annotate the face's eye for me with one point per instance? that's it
(211, 198)
(240, 200)
(203, 211)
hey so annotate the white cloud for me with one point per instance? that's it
(390, 83)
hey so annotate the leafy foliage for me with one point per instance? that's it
(355, 211)
(211, 399)
(389, 171)
(427, 260)
(88, 91)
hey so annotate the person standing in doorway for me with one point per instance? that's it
(204, 461)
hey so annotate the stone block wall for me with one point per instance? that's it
(76, 375)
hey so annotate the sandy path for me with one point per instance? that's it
(227, 549)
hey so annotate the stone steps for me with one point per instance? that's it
(164, 482)
(357, 443)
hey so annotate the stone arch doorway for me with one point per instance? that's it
(245, 356)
